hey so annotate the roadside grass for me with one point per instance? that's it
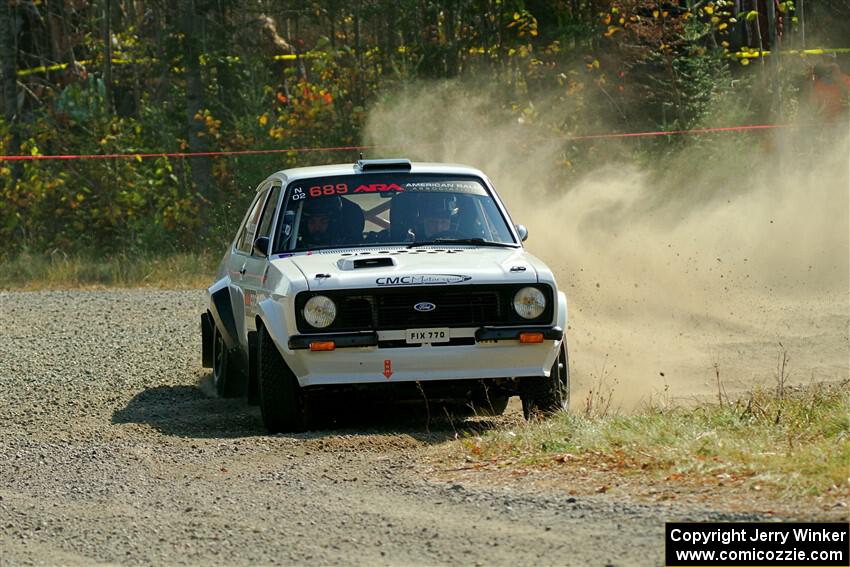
(29, 271)
(792, 442)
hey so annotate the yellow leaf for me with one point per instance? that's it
(516, 15)
(745, 61)
(723, 26)
(607, 19)
(709, 9)
(655, 13)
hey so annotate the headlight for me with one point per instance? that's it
(319, 311)
(529, 302)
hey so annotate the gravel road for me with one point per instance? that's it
(114, 451)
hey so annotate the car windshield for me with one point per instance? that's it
(389, 209)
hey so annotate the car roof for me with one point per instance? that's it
(351, 168)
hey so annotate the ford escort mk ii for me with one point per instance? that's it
(385, 275)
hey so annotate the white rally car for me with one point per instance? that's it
(409, 278)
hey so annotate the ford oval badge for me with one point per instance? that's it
(424, 307)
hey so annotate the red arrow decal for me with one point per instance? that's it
(388, 368)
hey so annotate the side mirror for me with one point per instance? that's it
(522, 231)
(261, 246)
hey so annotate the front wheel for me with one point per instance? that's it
(282, 403)
(548, 395)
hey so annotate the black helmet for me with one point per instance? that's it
(437, 206)
(318, 206)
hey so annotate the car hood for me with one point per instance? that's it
(397, 267)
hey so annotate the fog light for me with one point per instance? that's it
(323, 345)
(530, 338)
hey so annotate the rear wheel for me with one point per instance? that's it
(282, 403)
(226, 375)
(542, 395)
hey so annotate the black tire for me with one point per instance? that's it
(546, 396)
(282, 403)
(227, 376)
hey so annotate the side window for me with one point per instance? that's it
(246, 239)
(268, 213)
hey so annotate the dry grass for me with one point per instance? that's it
(29, 271)
(795, 443)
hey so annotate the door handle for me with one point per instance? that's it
(243, 269)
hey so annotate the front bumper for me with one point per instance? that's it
(370, 338)
(360, 358)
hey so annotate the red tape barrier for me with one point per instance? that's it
(697, 131)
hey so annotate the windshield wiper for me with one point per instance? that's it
(472, 241)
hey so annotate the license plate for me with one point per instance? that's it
(419, 336)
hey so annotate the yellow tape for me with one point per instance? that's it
(122, 61)
(755, 53)
(750, 54)
(46, 68)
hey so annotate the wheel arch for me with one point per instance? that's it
(562, 312)
(270, 317)
(221, 310)
(207, 326)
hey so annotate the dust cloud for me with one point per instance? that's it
(674, 275)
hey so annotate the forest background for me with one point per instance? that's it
(152, 76)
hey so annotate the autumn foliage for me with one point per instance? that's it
(227, 76)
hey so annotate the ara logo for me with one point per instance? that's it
(426, 279)
(424, 306)
(378, 187)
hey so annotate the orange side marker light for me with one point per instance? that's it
(531, 338)
(322, 345)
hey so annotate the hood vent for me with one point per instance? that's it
(360, 263)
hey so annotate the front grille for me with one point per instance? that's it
(453, 308)
(393, 308)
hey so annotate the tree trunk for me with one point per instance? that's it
(107, 56)
(9, 57)
(359, 88)
(200, 166)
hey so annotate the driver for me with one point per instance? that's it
(317, 216)
(436, 216)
